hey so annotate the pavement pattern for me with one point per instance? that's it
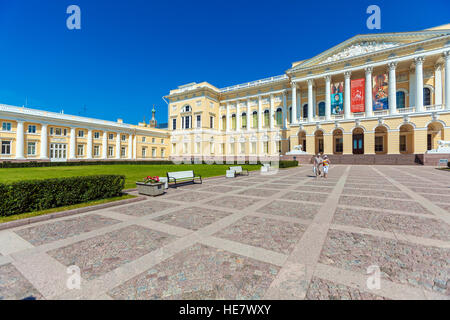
(286, 235)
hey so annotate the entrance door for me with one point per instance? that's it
(320, 145)
(358, 144)
(429, 142)
(58, 152)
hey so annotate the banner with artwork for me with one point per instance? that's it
(380, 92)
(357, 95)
(337, 98)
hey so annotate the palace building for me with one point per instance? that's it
(34, 135)
(375, 98)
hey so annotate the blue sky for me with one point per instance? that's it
(129, 54)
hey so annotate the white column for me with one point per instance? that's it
(44, 141)
(238, 116)
(249, 116)
(368, 93)
(285, 111)
(73, 141)
(130, 146)
(347, 88)
(294, 103)
(260, 115)
(392, 88)
(447, 80)
(299, 104)
(310, 100)
(328, 97)
(228, 117)
(118, 145)
(135, 146)
(438, 84)
(412, 88)
(89, 145)
(419, 83)
(272, 112)
(20, 140)
(105, 145)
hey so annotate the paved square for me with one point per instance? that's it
(281, 236)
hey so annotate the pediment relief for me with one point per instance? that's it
(359, 49)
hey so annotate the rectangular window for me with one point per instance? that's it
(174, 124)
(143, 139)
(96, 151)
(123, 152)
(153, 152)
(379, 144)
(199, 121)
(144, 152)
(211, 122)
(58, 132)
(81, 134)
(96, 135)
(162, 141)
(111, 136)
(403, 143)
(110, 151)
(80, 150)
(124, 137)
(65, 132)
(51, 131)
(31, 148)
(339, 145)
(6, 147)
(153, 140)
(163, 153)
(6, 126)
(31, 129)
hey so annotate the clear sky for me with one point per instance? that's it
(128, 54)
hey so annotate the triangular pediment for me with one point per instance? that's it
(362, 45)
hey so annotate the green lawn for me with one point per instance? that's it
(132, 173)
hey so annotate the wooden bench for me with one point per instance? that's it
(239, 171)
(182, 177)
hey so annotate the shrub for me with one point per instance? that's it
(288, 163)
(35, 164)
(35, 195)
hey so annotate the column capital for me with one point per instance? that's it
(446, 55)
(294, 85)
(419, 60)
(392, 65)
(438, 66)
(327, 78)
(310, 82)
(347, 74)
(369, 70)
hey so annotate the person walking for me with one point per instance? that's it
(317, 161)
(326, 166)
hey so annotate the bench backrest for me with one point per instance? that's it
(236, 169)
(181, 174)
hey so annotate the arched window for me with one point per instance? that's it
(322, 109)
(224, 123)
(266, 118)
(233, 122)
(255, 119)
(426, 96)
(279, 117)
(244, 120)
(401, 99)
(305, 111)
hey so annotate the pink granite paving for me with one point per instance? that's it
(246, 238)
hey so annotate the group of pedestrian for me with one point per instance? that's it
(321, 160)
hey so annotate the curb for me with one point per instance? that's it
(23, 222)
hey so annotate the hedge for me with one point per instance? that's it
(35, 164)
(35, 195)
(288, 164)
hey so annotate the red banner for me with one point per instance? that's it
(357, 95)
